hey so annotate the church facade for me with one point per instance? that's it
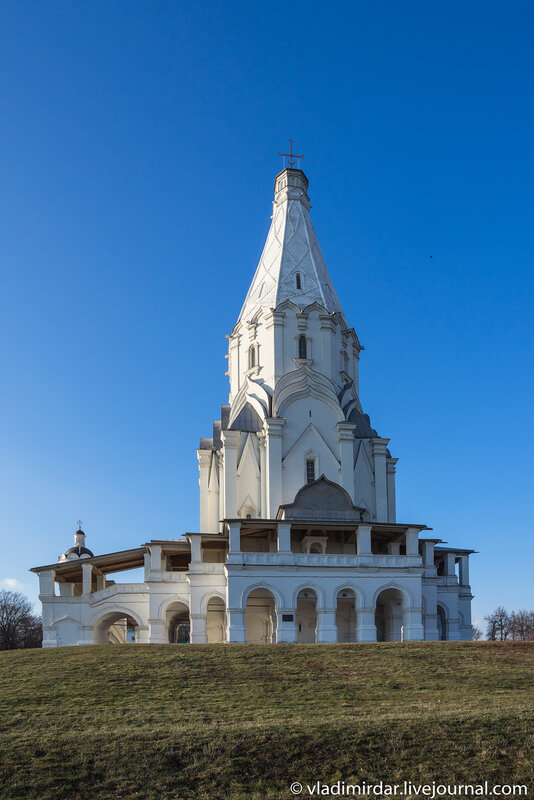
(298, 538)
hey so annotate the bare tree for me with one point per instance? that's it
(476, 633)
(498, 624)
(522, 625)
(18, 626)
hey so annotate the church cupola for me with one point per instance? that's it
(79, 550)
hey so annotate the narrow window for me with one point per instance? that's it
(310, 470)
(303, 347)
(251, 356)
(299, 283)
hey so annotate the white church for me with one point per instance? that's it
(298, 538)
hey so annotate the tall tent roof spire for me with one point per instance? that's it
(291, 266)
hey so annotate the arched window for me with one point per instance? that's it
(303, 347)
(298, 280)
(251, 356)
(310, 470)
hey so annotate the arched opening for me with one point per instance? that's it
(346, 615)
(177, 623)
(388, 616)
(260, 617)
(306, 616)
(298, 281)
(303, 347)
(442, 624)
(216, 620)
(115, 628)
(251, 356)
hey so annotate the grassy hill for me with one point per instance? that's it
(245, 721)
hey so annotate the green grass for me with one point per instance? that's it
(243, 721)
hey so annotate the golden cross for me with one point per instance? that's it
(291, 155)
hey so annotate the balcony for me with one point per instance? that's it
(322, 560)
(118, 588)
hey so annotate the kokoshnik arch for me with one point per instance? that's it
(298, 539)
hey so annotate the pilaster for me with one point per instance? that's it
(198, 633)
(381, 492)
(236, 625)
(365, 625)
(230, 445)
(326, 625)
(412, 623)
(274, 322)
(263, 476)
(346, 452)
(391, 465)
(287, 629)
(204, 461)
(274, 431)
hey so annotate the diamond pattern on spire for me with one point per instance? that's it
(291, 247)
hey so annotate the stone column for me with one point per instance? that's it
(412, 542)
(155, 558)
(365, 625)
(363, 539)
(390, 477)
(234, 539)
(449, 565)
(147, 563)
(274, 429)
(198, 629)
(428, 554)
(204, 461)
(284, 537)
(196, 548)
(346, 453)
(230, 444)
(46, 583)
(87, 573)
(326, 625)
(236, 625)
(394, 548)
(464, 570)
(381, 492)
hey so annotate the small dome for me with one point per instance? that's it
(78, 551)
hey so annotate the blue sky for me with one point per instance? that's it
(138, 149)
